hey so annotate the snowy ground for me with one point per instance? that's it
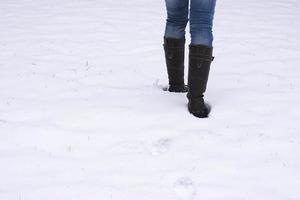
(82, 115)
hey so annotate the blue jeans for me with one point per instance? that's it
(200, 19)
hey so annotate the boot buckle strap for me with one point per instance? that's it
(203, 58)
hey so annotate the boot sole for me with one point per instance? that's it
(176, 90)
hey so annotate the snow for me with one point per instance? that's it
(82, 115)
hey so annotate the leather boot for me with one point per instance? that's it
(200, 58)
(174, 54)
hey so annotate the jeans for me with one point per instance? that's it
(200, 19)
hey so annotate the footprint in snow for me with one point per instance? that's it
(185, 189)
(160, 146)
(157, 147)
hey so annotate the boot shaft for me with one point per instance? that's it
(174, 55)
(200, 58)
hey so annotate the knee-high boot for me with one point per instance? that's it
(200, 58)
(174, 54)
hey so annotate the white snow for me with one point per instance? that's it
(82, 115)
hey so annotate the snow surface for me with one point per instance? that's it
(82, 115)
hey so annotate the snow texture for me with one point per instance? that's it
(83, 116)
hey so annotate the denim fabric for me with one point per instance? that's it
(199, 14)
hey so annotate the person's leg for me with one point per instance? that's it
(201, 22)
(174, 43)
(200, 55)
(177, 11)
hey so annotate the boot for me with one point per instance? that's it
(174, 53)
(200, 58)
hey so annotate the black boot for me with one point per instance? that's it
(174, 53)
(200, 58)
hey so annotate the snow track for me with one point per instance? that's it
(82, 115)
